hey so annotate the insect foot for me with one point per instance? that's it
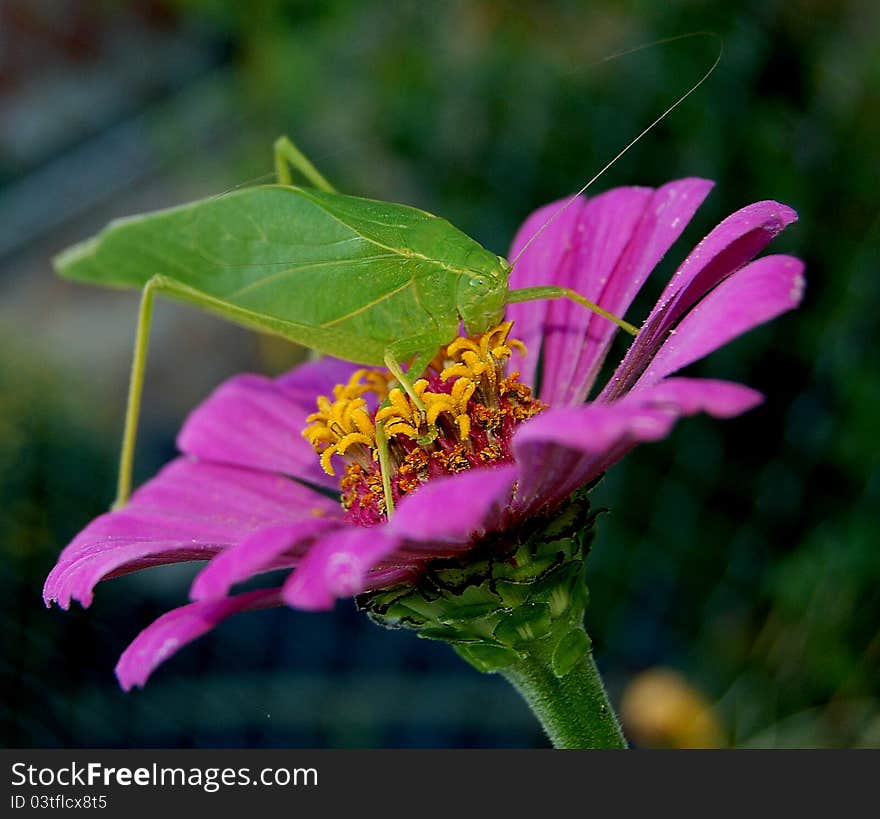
(472, 408)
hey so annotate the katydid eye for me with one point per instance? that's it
(480, 283)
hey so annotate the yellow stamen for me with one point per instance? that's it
(401, 428)
(363, 381)
(326, 455)
(398, 406)
(437, 403)
(363, 423)
(353, 438)
(345, 421)
(400, 415)
(480, 357)
(462, 390)
(456, 370)
(319, 434)
(462, 344)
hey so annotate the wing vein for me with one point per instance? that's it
(310, 266)
(369, 305)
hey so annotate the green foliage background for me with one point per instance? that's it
(744, 553)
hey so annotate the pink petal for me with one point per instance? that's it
(337, 565)
(537, 265)
(226, 496)
(572, 339)
(189, 511)
(255, 422)
(173, 630)
(619, 238)
(736, 240)
(452, 510)
(664, 218)
(727, 248)
(662, 221)
(75, 578)
(755, 294)
(273, 547)
(563, 449)
(559, 450)
(688, 396)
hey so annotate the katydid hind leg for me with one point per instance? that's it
(157, 284)
(288, 156)
(135, 390)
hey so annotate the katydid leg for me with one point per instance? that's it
(552, 292)
(157, 284)
(417, 367)
(135, 390)
(288, 156)
(385, 468)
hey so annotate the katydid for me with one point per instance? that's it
(372, 282)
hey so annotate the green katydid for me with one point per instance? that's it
(372, 282)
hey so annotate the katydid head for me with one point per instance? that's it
(482, 296)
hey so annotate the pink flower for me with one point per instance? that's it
(248, 494)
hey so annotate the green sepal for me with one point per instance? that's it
(571, 650)
(487, 657)
(501, 597)
(563, 589)
(512, 594)
(443, 635)
(524, 625)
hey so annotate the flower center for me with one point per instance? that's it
(472, 407)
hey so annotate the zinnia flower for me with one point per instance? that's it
(494, 453)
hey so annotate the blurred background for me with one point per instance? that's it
(736, 580)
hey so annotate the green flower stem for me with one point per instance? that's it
(574, 709)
